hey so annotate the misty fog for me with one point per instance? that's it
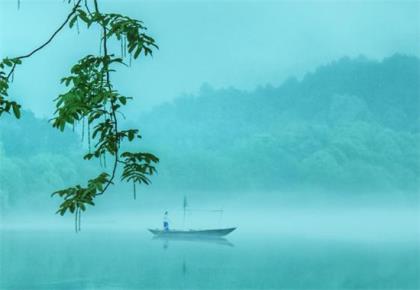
(297, 123)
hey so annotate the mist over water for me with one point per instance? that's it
(321, 248)
(279, 244)
(297, 123)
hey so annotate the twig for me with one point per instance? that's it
(48, 41)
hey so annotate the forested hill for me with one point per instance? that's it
(352, 125)
(31, 136)
(349, 127)
(36, 160)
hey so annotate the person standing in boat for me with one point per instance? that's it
(166, 221)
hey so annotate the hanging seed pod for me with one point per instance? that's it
(89, 137)
(77, 26)
(125, 45)
(134, 190)
(122, 49)
(83, 129)
(80, 218)
(75, 220)
(18, 4)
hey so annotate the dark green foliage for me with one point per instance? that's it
(5, 103)
(78, 197)
(92, 100)
(92, 97)
(120, 27)
(137, 166)
(87, 95)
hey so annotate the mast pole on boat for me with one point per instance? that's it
(184, 206)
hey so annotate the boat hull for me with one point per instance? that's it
(192, 233)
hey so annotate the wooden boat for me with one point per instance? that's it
(192, 233)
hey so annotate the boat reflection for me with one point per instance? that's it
(198, 239)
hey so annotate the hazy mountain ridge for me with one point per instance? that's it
(352, 124)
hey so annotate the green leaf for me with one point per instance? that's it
(16, 110)
(123, 100)
(72, 21)
(83, 16)
(130, 135)
(138, 50)
(88, 156)
(17, 60)
(7, 62)
(7, 106)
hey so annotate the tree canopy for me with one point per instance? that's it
(92, 102)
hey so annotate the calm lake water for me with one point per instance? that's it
(131, 259)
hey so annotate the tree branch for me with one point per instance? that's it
(48, 41)
(113, 115)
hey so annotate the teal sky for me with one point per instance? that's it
(225, 43)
